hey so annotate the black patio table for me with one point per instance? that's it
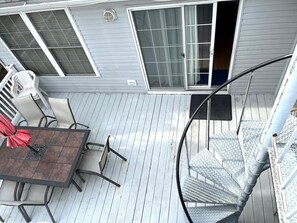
(59, 154)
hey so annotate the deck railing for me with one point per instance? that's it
(251, 72)
(6, 107)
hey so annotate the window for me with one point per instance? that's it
(160, 38)
(185, 47)
(60, 40)
(21, 42)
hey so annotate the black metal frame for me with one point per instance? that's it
(52, 183)
(17, 197)
(41, 120)
(79, 171)
(75, 124)
(46, 202)
(182, 139)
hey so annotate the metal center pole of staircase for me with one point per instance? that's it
(283, 104)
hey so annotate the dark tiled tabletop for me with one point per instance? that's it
(57, 162)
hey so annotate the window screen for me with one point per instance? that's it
(21, 42)
(58, 34)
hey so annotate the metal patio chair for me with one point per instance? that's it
(31, 112)
(63, 113)
(25, 83)
(10, 195)
(38, 195)
(94, 160)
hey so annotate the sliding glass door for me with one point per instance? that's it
(198, 44)
(176, 45)
(160, 39)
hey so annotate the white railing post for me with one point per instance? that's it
(283, 104)
(7, 107)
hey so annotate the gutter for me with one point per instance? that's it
(28, 7)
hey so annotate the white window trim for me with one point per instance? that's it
(11, 53)
(161, 6)
(236, 39)
(82, 42)
(212, 42)
(44, 47)
(137, 45)
(181, 5)
(41, 43)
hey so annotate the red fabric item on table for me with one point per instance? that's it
(15, 137)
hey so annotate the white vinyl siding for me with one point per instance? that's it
(112, 48)
(268, 29)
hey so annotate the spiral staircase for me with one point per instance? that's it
(233, 161)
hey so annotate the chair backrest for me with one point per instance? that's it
(8, 191)
(36, 193)
(104, 156)
(62, 110)
(23, 80)
(29, 109)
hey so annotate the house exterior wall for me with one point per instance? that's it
(268, 29)
(113, 50)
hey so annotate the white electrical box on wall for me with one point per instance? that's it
(131, 82)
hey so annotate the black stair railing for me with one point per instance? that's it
(209, 97)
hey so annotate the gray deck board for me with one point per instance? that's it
(146, 129)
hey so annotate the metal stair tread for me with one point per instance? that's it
(286, 199)
(211, 214)
(251, 132)
(293, 219)
(195, 190)
(288, 162)
(250, 136)
(290, 195)
(207, 165)
(227, 146)
(287, 130)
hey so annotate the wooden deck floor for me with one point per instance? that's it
(146, 129)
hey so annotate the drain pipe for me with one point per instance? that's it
(283, 104)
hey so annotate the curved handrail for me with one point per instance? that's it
(243, 73)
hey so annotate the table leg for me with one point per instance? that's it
(76, 185)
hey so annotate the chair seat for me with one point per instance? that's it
(63, 113)
(35, 194)
(27, 91)
(30, 110)
(11, 202)
(62, 125)
(90, 159)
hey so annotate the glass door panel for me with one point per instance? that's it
(198, 27)
(159, 34)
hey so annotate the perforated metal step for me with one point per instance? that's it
(287, 130)
(195, 190)
(205, 164)
(249, 137)
(212, 214)
(286, 199)
(227, 146)
(250, 134)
